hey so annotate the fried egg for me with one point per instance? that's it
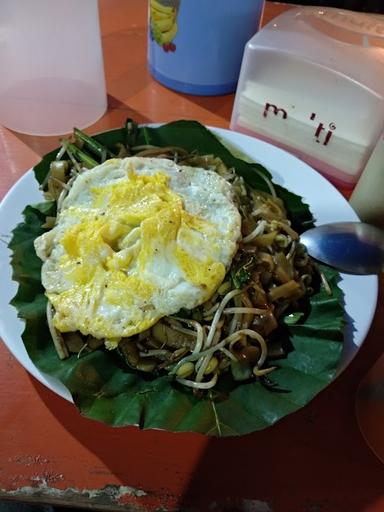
(137, 239)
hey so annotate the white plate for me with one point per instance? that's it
(327, 205)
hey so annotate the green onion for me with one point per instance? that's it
(79, 155)
(93, 145)
(241, 273)
(131, 132)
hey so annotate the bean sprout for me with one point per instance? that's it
(254, 311)
(58, 341)
(199, 333)
(199, 385)
(259, 230)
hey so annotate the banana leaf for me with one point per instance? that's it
(106, 390)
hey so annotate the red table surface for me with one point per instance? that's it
(315, 460)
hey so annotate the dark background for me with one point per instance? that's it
(376, 6)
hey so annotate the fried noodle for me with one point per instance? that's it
(269, 276)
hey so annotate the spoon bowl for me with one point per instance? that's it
(352, 247)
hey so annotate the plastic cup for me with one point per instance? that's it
(196, 46)
(51, 66)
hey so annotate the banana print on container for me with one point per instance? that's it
(163, 22)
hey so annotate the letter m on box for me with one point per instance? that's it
(275, 110)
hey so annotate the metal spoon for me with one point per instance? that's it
(352, 247)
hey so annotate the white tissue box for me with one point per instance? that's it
(312, 82)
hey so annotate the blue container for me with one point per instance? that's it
(196, 46)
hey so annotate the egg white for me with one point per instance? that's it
(137, 239)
